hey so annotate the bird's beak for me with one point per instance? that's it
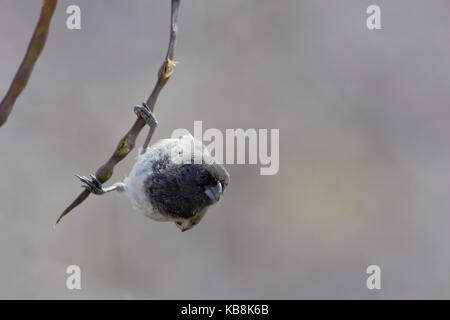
(214, 192)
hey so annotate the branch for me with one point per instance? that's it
(34, 50)
(127, 143)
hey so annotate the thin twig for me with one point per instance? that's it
(34, 50)
(127, 143)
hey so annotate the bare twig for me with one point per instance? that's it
(35, 47)
(127, 143)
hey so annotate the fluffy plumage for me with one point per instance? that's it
(172, 181)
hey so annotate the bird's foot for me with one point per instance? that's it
(146, 114)
(92, 185)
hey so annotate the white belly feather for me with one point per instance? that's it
(177, 150)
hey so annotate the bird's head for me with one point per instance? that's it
(183, 193)
(214, 179)
(204, 185)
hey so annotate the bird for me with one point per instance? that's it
(175, 179)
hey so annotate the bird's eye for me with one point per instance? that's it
(203, 176)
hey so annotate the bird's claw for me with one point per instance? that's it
(92, 185)
(144, 112)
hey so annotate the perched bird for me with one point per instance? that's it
(173, 180)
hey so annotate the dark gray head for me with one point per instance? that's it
(184, 192)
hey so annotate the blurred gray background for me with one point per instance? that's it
(364, 149)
